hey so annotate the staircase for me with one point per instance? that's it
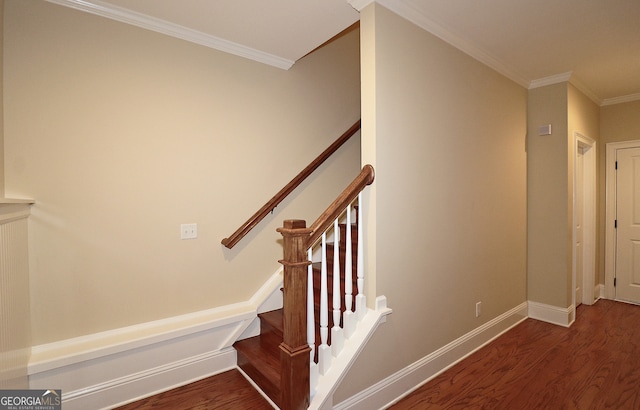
(304, 350)
(259, 356)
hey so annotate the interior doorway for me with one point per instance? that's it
(584, 220)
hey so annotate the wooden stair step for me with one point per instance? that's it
(259, 358)
(317, 279)
(272, 321)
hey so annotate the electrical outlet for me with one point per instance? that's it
(188, 231)
(478, 309)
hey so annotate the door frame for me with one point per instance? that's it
(610, 215)
(587, 286)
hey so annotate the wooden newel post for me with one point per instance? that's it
(294, 350)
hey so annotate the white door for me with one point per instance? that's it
(579, 217)
(627, 276)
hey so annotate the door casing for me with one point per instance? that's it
(588, 147)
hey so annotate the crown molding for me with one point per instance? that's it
(585, 90)
(174, 30)
(620, 100)
(567, 77)
(416, 17)
(552, 79)
(360, 4)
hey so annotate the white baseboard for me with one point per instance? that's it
(111, 368)
(552, 314)
(403, 382)
(133, 387)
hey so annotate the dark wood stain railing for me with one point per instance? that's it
(294, 350)
(245, 228)
(366, 177)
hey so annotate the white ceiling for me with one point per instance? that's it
(593, 43)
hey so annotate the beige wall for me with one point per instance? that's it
(122, 134)
(550, 188)
(447, 137)
(619, 122)
(548, 268)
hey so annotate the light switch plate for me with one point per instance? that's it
(188, 231)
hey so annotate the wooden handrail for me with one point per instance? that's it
(366, 177)
(284, 192)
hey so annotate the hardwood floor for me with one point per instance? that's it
(595, 364)
(225, 391)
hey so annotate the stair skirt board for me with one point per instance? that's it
(327, 384)
(405, 381)
(116, 367)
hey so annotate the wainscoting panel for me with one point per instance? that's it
(15, 338)
(112, 368)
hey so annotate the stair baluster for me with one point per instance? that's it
(361, 300)
(311, 327)
(337, 335)
(348, 317)
(324, 351)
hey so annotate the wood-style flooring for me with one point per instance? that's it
(594, 364)
(225, 391)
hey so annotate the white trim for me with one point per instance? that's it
(585, 90)
(610, 215)
(410, 13)
(403, 382)
(126, 389)
(589, 218)
(134, 18)
(13, 213)
(552, 314)
(619, 100)
(360, 4)
(416, 17)
(94, 346)
(13, 201)
(130, 363)
(137, 372)
(553, 79)
(567, 77)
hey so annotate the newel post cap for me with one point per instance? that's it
(294, 227)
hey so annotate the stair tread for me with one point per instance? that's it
(274, 318)
(259, 357)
